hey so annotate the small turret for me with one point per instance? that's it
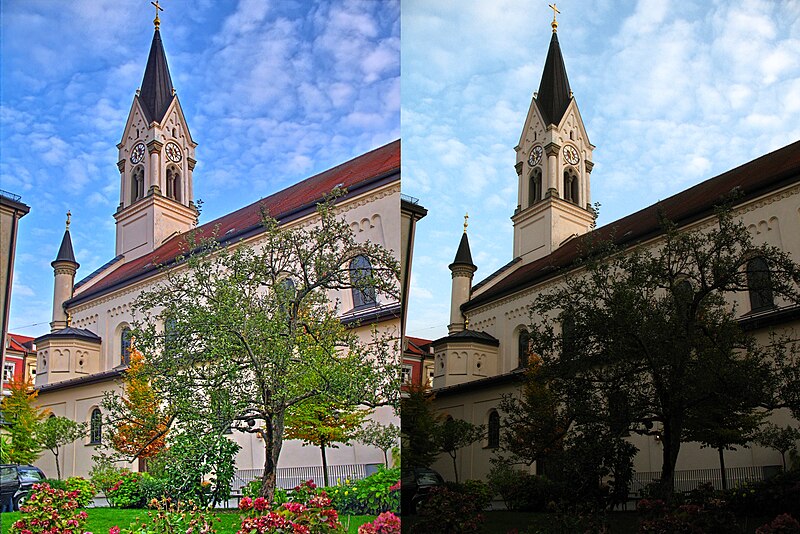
(462, 270)
(64, 268)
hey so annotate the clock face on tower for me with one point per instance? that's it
(571, 155)
(536, 156)
(173, 152)
(137, 154)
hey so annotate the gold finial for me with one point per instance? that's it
(68, 219)
(69, 319)
(466, 323)
(466, 218)
(554, 24)
(156, 20)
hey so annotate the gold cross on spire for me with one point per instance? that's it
(156, 20)
(466, 217)
(68, 218)
(554, 24)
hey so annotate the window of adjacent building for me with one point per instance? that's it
(8, 372)
(759, 283)
(535, 187)
(361, 277)
(170, 333)
(125, 346)
(96, 427)
(406, 372)
(523, 348)
(430, 371)
(493, 430)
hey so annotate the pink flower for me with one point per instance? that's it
(246, 503)
(113, 530)
(260, 504)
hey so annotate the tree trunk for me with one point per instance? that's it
(455, 469)
(783, 457)
(672, 445)
(324, 465)
(58, 467)
(722, 468)
(273, 441)
(386, 460)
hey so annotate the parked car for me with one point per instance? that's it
(415, 485)
(9, 487)
(23, 477)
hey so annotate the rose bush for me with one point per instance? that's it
(50, 511)
(385, 523)
(308, 511)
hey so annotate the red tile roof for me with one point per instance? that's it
(18, 342)
(760, 176)
(415, 345)
(357, 175)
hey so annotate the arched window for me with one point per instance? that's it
(137, 184)
(759, 283)
(569, 343)
(535, 187)
(361, 278)
(524, 348)
(125, 346)
(96, 427)
(571, 186)
(173, 184)
(170, 333)
(286, 292)
(493, 430)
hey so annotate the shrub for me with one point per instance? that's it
(152, 489)
(448, 512)
(385, 523)
(344, 499)
(105, 474)
(170, 517)
(50, 510)
(127, 491)
(56, 483)
(308, 511)
(777, 495)
(522, 491)
(711, 518)
(253, 489)
(477, 490)
(375, 494)
(783, 524)
(86, 490)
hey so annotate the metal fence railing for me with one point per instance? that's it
(688, 479)
(289, 477)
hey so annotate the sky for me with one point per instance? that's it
(273, 92)
(671, 93)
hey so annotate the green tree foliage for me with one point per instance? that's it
(324, 424)
(20, 411)
(384, 437)
(55, 432)
(455, 434)
(420, 429)
(781, 439)
(239, 334)
(644, 340)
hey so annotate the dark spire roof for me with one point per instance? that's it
(554, 93)
(65, 252)
(156, 92)
(463, 255)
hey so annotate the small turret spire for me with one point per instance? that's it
(68, 218)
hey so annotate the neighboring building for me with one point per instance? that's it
(417, 363)
(484, 354)
(85, 353)
(11, 211)
(20, 362)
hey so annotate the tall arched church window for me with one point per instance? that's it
(493, 430)
(173, 184)
(535, 187)
(361, 278)
(125, 346)
(524, 348)
(96, 427)
(759, 283)
(571, 186)
(137, 184)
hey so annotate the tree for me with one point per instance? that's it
(455, 434)
(419, 432)
(380, 436)
(324, 425)
(23, 416)
(645, 339)
(55, 432)
(140, 424)
(781, 439)
(236, 335)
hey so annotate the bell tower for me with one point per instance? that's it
(553, 164)
(156, 161)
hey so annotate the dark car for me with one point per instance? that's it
(415, 485)
(9, 487)
(22, 477)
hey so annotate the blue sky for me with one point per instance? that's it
(671, 93)
(273, 92)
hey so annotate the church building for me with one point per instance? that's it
(87, 350)
(485, 352)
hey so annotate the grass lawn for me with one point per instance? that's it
(101, 519)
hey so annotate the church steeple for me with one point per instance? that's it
(553, 163)
(462, 270)
(156, 162)
(157, 92)
(554, 92)
(64, 269)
